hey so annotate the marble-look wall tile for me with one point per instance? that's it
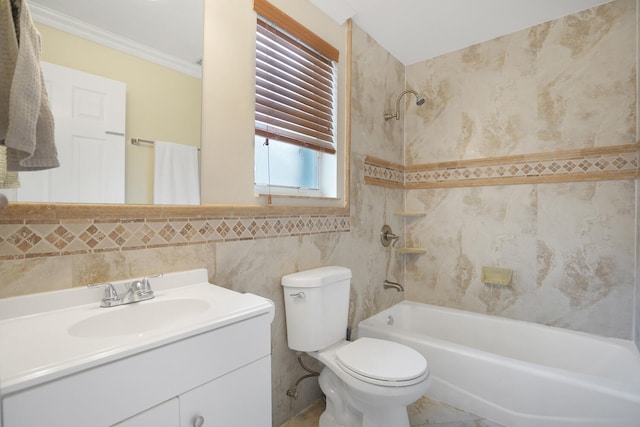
(569, 245)
(586, 253)
(29, 276)
(637, 282)
(378, 78)
(479, 102)
(566, 84)
(465, 229)
(587, 77)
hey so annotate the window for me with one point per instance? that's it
(295, 112)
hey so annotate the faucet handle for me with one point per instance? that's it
(110, 294)
(142, 287)
(146, 286)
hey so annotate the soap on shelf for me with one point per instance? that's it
(410, 251)
(496, 276)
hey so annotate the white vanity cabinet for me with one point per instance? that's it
(166, 414)
(240, 398)
(210, 373)
(223, 374)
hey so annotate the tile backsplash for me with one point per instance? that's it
(33, 239)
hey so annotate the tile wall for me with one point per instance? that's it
(566, 86)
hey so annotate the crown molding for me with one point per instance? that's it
(111, 40)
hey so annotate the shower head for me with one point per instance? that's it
(419, 101)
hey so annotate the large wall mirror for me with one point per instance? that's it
(181, 61)
(155, 49)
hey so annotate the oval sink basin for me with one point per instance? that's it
(138, 318)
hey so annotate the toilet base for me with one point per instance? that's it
(342, 409)
(338, 412)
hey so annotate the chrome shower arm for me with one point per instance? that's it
(396, 115)
(400, 97)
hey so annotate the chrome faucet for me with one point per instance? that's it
(138, 290)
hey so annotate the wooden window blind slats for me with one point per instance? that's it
(299, 79)
(306, 126)
(295, 95)
(295, 113)
(321, 64)
(282, 20)
(295, 84)
(284, 60)
(313, 109)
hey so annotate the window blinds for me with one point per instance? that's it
(295, 90)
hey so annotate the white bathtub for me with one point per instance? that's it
(517, 373)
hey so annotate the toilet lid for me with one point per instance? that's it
(382, 362)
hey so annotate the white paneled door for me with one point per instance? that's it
(89, 113)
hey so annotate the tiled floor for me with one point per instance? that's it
(424, 412)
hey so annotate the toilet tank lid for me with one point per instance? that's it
(316, 277)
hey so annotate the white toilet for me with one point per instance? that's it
(368, 382)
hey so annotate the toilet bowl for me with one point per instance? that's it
(367, 382)
(377, 378)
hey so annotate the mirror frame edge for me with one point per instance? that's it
(63, 211)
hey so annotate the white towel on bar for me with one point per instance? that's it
(176, 174)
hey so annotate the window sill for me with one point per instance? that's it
(293, 196)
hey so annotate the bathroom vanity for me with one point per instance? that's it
(195, 355)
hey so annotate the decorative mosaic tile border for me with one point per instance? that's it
(384, 173)
(605, 163)
(33, 239)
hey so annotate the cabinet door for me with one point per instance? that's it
(164, 415)
(241, 398)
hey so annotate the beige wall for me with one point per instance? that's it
(637, 299)
(162, 104)
(567, 84)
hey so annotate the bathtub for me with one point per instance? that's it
(517, 373)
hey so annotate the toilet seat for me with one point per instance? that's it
(381, 362)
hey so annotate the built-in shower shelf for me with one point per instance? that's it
(416, 251)
(410, 214)
(403, 213)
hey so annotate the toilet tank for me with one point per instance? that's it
(316, 307)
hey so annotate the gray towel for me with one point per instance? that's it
(7, 179)
(29, 131)
(8, 55)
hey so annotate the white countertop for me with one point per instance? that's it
(36, 345)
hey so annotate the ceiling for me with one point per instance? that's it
(173, 27)
(412, 30)
(415, 30)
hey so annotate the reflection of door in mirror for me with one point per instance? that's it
(89, 114)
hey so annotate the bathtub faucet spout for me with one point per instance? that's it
(393, 285)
